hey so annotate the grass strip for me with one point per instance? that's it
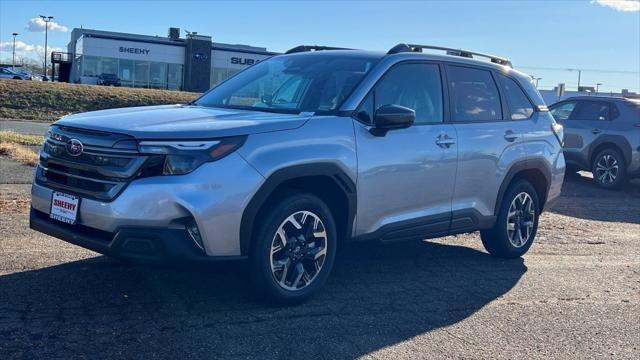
(13, 137)
(19, 153)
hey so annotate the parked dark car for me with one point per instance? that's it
(108, 79)
(601, 135)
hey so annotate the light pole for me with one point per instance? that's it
(598, 88)
(579, 74)
(46, 20)
(13, 61)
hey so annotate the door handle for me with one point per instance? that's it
(510, 136)
(444, 141)
(596, 131)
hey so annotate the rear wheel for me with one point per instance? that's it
(608, 169)
(517, 222)
(294, 249)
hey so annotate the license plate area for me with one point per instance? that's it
(64, 207)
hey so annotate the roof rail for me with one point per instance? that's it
(303, 48)
(400, 48)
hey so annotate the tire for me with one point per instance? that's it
(17, 78)
(500, 241)
(280, 286)
(609, 169)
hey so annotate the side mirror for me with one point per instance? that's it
(391, 117)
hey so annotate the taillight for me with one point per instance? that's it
(558, 131)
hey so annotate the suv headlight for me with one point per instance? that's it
(182, 157)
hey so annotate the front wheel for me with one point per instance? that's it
(294, 249)
(608, 169)
(517, 222)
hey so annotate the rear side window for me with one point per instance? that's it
(562, 111)
(591, 110)
(474, 95)
(415, 86)
(518, 102)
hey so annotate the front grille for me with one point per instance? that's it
(106, 165)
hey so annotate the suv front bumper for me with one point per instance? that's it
(155, 210)
(138, 244)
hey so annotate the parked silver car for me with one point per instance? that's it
(6, 73)
(298, 154)
(602, 135)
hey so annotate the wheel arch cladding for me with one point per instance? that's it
(615, 142)
(325, 180)
(535, 171)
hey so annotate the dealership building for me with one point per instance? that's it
(193, 63)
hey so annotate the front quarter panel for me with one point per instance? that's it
(323, 139)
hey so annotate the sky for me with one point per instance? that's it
(542, 38)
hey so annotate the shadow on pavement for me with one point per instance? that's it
(582, 198)
(377, 296)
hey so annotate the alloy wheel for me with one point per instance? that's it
(521, 220)
(298, 250)
(606, 171)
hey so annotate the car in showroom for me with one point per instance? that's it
(107, 79)
(602, 135)
(300, 153)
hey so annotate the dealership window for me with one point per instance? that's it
(158, 76)
(125, 72)
(108, 66)
(141, 74)
(174, 77)
(89, 66)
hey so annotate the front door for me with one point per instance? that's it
(406, 177)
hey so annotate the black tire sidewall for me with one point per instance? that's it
(261, 269)
(501, 245)
(620, 178)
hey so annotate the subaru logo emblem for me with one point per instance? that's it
(200, 56)
(74, 147)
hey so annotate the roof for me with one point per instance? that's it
(598, 97)
(408, 55)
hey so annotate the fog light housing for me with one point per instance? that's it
(194, 233)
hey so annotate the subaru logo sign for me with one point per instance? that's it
(74, 147)
(200, 56)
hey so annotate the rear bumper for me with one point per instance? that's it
(138, 244)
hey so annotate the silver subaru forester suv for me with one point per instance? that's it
(296, 155)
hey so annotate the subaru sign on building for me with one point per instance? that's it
(194, 63)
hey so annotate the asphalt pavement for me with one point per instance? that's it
(576, 294)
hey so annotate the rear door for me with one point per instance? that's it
(489, 142)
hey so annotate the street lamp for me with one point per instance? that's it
(537, 80)
(46, 20)
(13, 61)
(579, 74)
(598, 88)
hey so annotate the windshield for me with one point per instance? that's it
(291, 84)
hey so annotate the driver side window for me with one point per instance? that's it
(562, 111)
(415, 86)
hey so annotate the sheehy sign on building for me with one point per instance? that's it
(134, 50)
(122, 49)
(131, 50)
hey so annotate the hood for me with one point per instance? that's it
(182, 121)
